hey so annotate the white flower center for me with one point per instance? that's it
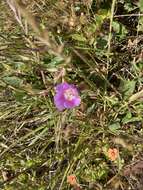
(69, 94)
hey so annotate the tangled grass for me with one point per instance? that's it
(96, 45)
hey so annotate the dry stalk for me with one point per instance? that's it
(19, 10)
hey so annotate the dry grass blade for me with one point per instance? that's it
(17, 14)
(53, 48)
(136, 96)
(41, 146)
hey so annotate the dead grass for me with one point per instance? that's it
(43, 43)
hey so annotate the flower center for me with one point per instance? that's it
(69, 94)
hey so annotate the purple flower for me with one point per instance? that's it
(66, 96)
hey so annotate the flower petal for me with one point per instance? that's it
(61, 101)
(77, 101)
(62, 86)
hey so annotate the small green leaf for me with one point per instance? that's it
(19, 95)
(127, 88)
(128, 118)
(114, 127)
(79, 37)
(13, 81)
(56, 61)
(129, 6)
(53, 62)
(119, 29)
(116, 26)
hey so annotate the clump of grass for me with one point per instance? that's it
(91, 45)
